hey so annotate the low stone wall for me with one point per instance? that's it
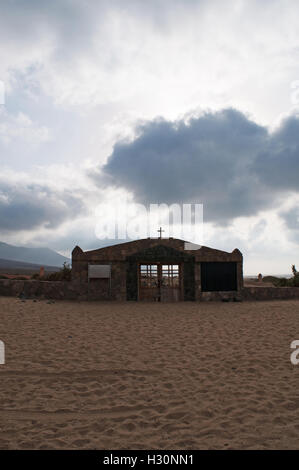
(218, 296)
(57, 290)
(253, 293)
(270, 293)
(63, 290)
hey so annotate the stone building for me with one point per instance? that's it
(162, 269)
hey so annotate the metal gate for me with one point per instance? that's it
(160, 282)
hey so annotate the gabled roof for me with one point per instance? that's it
(121, 251)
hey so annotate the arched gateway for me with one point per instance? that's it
(165, 270)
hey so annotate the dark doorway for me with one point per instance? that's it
(218, 276)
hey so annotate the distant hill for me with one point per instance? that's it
(41, 256)
(8, 265)
(254, 276)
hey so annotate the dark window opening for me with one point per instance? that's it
(218, 276)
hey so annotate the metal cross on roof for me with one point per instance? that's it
(160, 232)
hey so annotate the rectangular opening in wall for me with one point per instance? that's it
(217, 276)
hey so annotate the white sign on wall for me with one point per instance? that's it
(2, 353)
(99, 271)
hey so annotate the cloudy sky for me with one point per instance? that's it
(164, 101)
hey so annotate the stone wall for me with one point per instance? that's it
(220, 296)
(57, 290)
(60, 290)
(117, 255)
(270, 293)
(97, 289)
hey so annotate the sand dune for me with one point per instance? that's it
(158, 376)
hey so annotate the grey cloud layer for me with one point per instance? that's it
(291, 219)
(74, 21)
(224, 160)
(25, 207)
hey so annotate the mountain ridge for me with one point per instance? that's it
(40, 256)
(8, 265)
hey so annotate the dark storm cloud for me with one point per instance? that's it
(224, 160)
(278, 162)
(25, 207)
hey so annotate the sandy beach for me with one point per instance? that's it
(148, 375)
